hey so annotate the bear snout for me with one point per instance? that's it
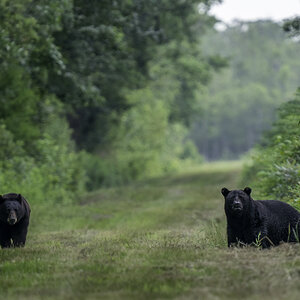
(12, 218)
(237, 205)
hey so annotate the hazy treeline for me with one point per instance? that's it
(240, 102)
(275, 162)
(97, 92)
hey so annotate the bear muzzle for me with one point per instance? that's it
(237, 205)
(12, 218)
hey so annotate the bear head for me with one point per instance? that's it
(237, 202)
(11, 210)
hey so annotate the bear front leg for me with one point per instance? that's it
(5, 240)
(231, 238)
(19, 239)
(19, 235)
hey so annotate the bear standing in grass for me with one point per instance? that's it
(14, 220)
(261, 222)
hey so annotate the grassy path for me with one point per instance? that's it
(164, 238)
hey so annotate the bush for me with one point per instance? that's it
(145, 145)
(54, 174)
(275, 167)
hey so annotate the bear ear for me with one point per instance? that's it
(19, 198)
(225, 192)
(247, 190)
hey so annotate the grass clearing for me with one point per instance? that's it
(160, 239)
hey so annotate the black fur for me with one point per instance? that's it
(14, 220)
(265, 222)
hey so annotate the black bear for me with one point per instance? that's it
(260, 222)
(14, 220)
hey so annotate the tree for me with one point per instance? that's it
(292, 26)
(109, 47)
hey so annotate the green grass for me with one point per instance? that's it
(159, 239)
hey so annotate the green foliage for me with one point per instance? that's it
(9, 148)
(97, 64)
(27, 55)
(292, 26)
(240, 102)
(141, 136)
(184, 66)
(146, 145)
(53, 174)
(275, 168)
(110, 48)
(18, 104)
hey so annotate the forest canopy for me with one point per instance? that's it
(98, 92)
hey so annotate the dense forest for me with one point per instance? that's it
(97, 93)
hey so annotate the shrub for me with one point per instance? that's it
(53, 174)
(275, 167)
(146, 145)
